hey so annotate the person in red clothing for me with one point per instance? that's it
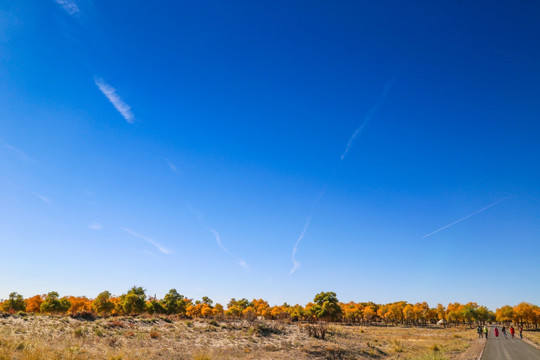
(512, 331)
(496, 331)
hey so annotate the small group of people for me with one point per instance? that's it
(483, 331)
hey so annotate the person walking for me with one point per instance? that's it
(503, 330)
(520, 332)
(512, 331)
(486, 331)
(496, 332)
(479, 331)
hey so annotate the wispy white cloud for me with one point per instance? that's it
(243, 264)
(296, 263)
(214, 232)
(218, 240)
(95, 226)
(69, 6)
(239, 261)
(42, 198)
(110, 92)
(172, 166)
(369, 115)
(464, 218)
(14, 151)
(149, 240)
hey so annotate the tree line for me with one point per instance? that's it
(325, 306)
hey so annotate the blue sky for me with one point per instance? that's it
(274, 150)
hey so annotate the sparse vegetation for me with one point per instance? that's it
(316, 330)
(140, 337)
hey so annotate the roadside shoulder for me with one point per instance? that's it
(532, 343)
(474, 352)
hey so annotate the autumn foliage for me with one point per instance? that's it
(325, 307)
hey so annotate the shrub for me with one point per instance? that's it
(78, 332)
(114, 342)
(396, 346)
(154, 334)
(263, 329)
(316, 330)
(115, 324)
(83, 316)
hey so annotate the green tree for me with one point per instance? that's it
(102, 304)
(133, 303)
(241, 304)
(206, 300)
(469, 312)
(174, 303)
(153, 306)
(14, 303)
(322, 297)
(54, 305)
(327, 306)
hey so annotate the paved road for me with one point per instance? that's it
(499, 348)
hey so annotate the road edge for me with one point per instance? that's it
(482, 352)
(532, 343)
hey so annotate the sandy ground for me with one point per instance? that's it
(46, 337)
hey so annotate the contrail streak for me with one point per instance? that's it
(239, 261)
(465, 218)
(110, 93)
(218, 240)
(369, 115)
(148, 240)
(43, 198)
(296, 263)
(214, 232)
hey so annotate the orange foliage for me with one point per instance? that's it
(260, 306)
(81, 303)
(525, 314)
(117, 301)
(33, 304)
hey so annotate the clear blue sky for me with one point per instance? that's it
(271, 149)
